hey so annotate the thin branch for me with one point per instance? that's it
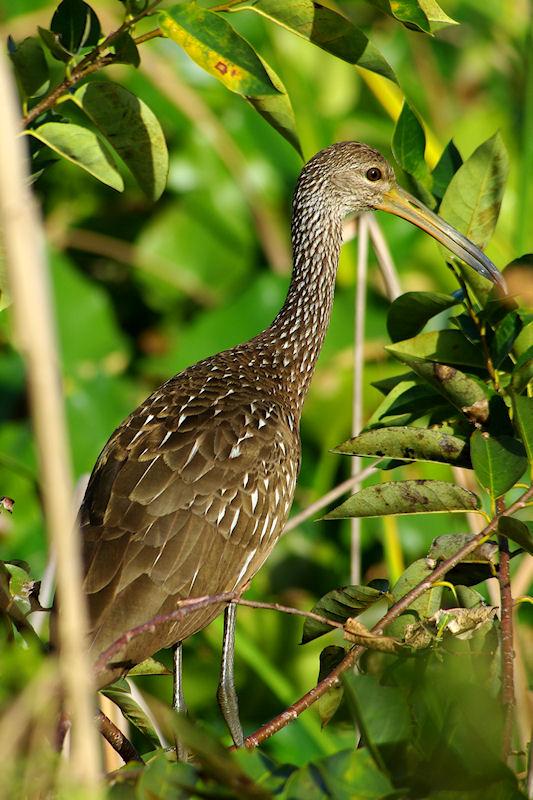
(116, 739)
(507, 654)
(358, 369)
(292, 712)
(384, 257)
(328, 498)
(92, 62)
(34, 326)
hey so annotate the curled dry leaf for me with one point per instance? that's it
(357, 633)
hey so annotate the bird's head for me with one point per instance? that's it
(351, 178)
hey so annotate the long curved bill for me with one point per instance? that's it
(402, 204)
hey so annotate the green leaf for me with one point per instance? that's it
(505, 335)
(407, 12)
(409, 313)
(131, 128)
(445, 169)
(406, 497)
(472, 200)
(276, 109)
(409, 145)
(409, 400)
(498, 461)
(518, 531)
(422, 15)
(348, 774)
(462, 391)
(31, 69)
(327, 705)
(213, 44)
(424, 606)
(76, 25)
(126, 51)
(325, 28)
(447, 347)
(53, 45)
(119, 692)
(149, 667)
(477, 566)
(409, 444)
(81, 146)
(338, 605)
(384, 709)
(523, 420)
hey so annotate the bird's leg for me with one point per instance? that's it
(226, 694)
(178, 700)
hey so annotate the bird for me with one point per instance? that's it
(193, 489)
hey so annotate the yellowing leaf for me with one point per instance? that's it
(213, 44)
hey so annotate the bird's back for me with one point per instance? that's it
(187, 498)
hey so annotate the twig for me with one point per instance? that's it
(92, 62)
(191, 604)
(384, 257)
(292, 712)
(116, 739)
(329, 497)
(358, 369)
(507, 655)
(33, 317)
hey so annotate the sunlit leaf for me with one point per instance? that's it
(409, 313)
(83, 148)
(518, 531)
(422, 15)
(410, 444)
(325, 28)
(472, 200)
(406, 497)
(448, 347)
(213, 44)
(149, 667)
(120, 693)
(131, 128)
(338, 605)
(76, 24)
(523, 419)
(31, 69)
(498, 461)
(276, 109)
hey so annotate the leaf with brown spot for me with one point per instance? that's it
(408, 444)
(213, 44)
(406, 497)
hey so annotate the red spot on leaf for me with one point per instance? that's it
(222, 68)
(233, 73)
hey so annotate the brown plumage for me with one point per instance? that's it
(192, 491)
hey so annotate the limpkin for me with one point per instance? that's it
(192, 491)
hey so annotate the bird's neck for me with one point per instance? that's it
(292, 343)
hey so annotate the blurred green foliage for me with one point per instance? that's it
(143, 289)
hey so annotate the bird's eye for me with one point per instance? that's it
(373, 174)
